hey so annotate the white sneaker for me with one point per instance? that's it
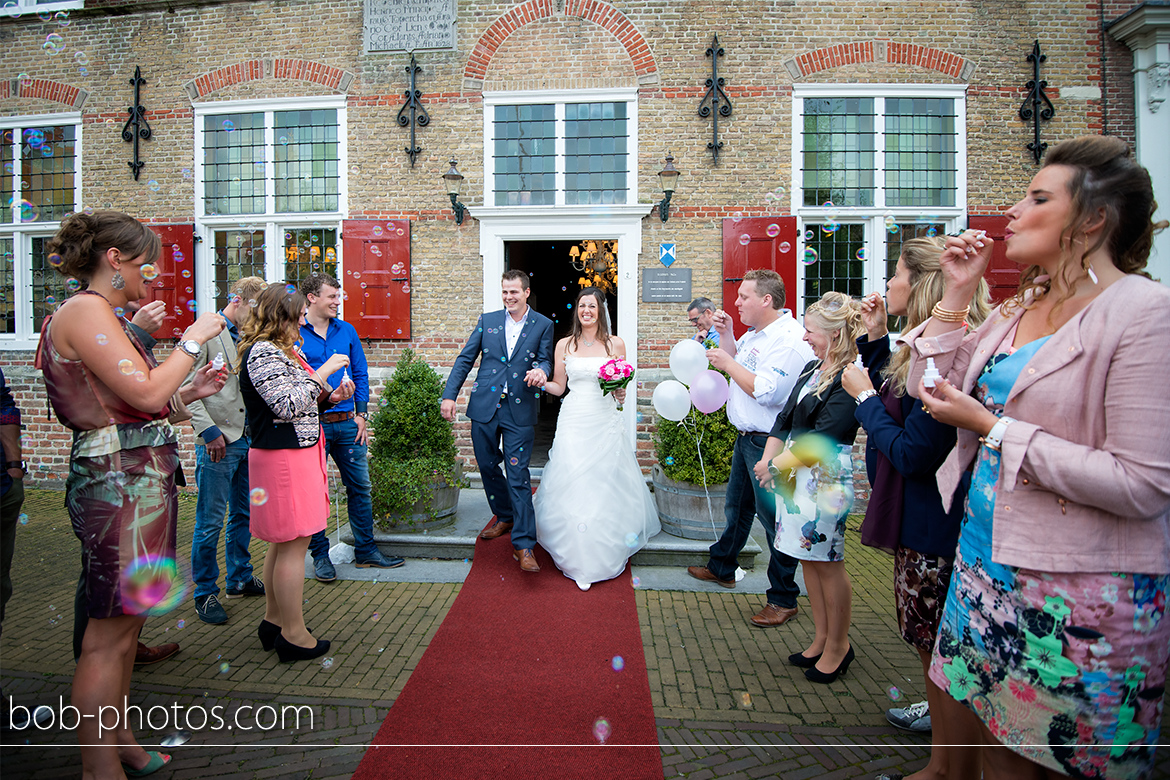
(916, 717)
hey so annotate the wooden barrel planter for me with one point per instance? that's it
(682, 507)
(438, 511)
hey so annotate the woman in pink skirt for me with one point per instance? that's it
(286, 462)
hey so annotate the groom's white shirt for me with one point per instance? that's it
(512, 330)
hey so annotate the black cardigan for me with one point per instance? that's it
(830, 415)
(286, 385)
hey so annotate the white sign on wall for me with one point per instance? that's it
(409, 25)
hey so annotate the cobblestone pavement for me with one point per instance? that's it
(726, 706)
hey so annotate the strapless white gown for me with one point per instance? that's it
(593, 509)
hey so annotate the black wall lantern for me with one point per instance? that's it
(453, 179)
(667, 178)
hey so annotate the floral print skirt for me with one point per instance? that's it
(1067, 670)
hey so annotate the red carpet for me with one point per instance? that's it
(516, 680)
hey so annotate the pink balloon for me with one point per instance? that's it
(709, 391)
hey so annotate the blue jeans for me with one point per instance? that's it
(745, 500)
(353, 466)
(223, 486)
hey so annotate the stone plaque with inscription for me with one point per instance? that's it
(409, 25)
(666, 285)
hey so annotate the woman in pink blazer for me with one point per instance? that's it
(1054, 633)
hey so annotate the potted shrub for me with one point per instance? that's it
(679, 488)
(415, 475)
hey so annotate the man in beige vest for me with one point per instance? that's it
(221, 470)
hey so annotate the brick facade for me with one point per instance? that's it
(208, 52)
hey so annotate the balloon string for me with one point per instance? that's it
(703, 469)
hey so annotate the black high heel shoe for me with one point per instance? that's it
(288, 652)
(816, 675)
(268, 632)
(804, 661)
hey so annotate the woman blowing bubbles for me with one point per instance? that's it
(1054, 632)
(120, 493)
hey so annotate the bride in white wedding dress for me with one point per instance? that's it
(593, 509)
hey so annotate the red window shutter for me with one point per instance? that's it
(376, 256)
(1002, 275)
(759, 250)
(176, 279)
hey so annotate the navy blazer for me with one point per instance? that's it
(916, 449)
(831, 415)
(497, 369)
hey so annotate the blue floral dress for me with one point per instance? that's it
(1067, 669)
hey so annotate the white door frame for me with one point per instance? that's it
(623, 223)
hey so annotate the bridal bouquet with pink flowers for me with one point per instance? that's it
(614, 375)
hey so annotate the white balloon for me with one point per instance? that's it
(687, 360)
(672, 400)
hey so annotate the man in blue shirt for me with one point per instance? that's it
(701, 314)
(346, 437)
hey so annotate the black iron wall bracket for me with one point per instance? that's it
(137, 120)
(715, 102)
(1036, 105)
(418, 115)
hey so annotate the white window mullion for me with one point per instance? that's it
(879, 160)
(269, 167)
(559, 145)
(22, 284)
(631, 151)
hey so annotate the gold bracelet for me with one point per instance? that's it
(948, 315)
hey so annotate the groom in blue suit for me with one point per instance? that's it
(516, 345)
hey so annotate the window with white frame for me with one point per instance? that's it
(563, 149)
(270, 191)
(48, 10)
(876, 165)
(40, 185)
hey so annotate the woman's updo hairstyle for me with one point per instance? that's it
(839, 316)
(83, 239)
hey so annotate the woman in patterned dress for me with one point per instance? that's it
(1054, 631)
(808, 460)
(121, 490)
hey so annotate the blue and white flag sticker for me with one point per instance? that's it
(666, 254)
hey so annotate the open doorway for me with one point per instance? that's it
(555, 283)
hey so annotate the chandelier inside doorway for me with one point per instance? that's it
(597, 263)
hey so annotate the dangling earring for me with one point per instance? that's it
(117, 282)
(1092, 274)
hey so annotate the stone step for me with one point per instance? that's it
(457, 541)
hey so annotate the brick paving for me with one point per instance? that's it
(726, 704)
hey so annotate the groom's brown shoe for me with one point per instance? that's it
(527, 560)
(496, 529)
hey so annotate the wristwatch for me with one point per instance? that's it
(775, 472)
(189, 347)
(865, 395)
(15, 464)
(363, 415)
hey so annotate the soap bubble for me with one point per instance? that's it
(62, 18)
(73, 285)
(515, 461)
(810, 256)
(224, 668)
(154, 185)
(119, 312)
(258, 496)
(582, 528)
(102, 339)
(860, 254)
(181, 624)
(809, 235)
(56, 260)
(151, 585)
(830, 227)
(773, 230)
(745, 699)
(601, 730)
(894, 693)
(192, 305)
(23, 518)
(785, 247)
(126, 366)
(636, 581)
(932, 231)
(24, 79)
(139, 376)
(744, 239)
(618, 663)
(406, 288)
(186, 274)
(290, 289)
(149, 272)
(327, 663)
(54, 44)
(669, 460)
(50, 300)
(81, 58)
(229, 125)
